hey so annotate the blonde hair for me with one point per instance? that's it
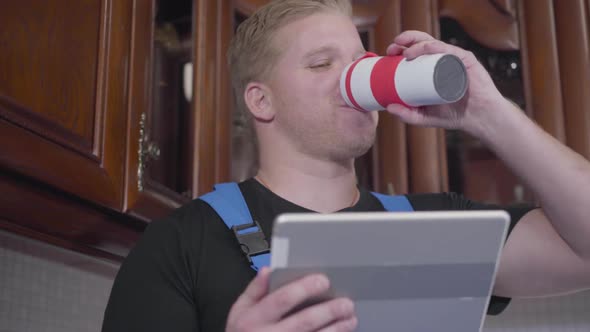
(252, 55)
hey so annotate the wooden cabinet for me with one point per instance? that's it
(89, 131)
(154, 87)
(179, 105)
(62, 118)
(63, 96)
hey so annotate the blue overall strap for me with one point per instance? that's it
(227, 200)
(394, 203)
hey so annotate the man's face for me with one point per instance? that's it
(310, 110)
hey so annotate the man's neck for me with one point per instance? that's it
(317, 185)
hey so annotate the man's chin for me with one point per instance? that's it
(361, 150)
(356, 149)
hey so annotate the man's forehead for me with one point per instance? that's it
(318, 31)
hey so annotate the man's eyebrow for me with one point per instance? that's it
(320, 50)
(331, 49)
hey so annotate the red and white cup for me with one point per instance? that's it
(373, 82)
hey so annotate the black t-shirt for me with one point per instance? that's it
(187, 270)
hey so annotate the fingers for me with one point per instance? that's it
(440, 116)
(411, 37)
(333, 315)
(437, 46)
(405, 40)
(431, 47)
(275, 305)
(412, 44)
(410, 116)
(255, 291)
(395, 49)
(257, 310)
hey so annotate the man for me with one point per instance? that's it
(187, 273)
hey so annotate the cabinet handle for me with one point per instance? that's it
(147, 151)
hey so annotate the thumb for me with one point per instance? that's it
(407, 115)
(394, 49)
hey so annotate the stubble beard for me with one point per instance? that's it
(326, 139)
(352, 147)
(331, 145)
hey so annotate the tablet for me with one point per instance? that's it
(405, 271)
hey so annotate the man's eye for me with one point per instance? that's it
(321, 65)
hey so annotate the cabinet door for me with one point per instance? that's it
(178, 133)
(63, 94)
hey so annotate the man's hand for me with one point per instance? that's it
(481, 100)
(257, 310)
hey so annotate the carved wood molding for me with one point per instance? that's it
(21, 116)
(573, 46)
(544, 98)
(211, 116)
(493, 23)
(65, 220)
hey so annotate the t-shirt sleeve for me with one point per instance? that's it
(453, 201)
(153, 290)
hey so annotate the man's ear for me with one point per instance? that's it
(259, 102)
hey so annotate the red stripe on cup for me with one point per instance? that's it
(383, 81)
(348, 77)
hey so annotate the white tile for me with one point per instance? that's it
(39, 294)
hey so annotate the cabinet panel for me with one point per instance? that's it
(63, 101)
(50, 68)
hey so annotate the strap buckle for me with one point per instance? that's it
(251, 239)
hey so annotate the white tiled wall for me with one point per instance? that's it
(41, 294)
(569, 313)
